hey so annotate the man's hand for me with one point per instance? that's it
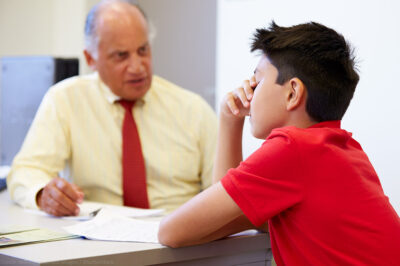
(60, 198)
(236, 104)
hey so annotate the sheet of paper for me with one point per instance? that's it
(108, 225)
(88, 208)
(33, 236)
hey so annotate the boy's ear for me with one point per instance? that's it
(296, 94)
(89, 59)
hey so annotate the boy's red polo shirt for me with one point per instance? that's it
(321, 196)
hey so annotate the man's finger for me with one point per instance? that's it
(80, 193)
(77, 188)
(68, 189)
(62, 199)
(55, 208)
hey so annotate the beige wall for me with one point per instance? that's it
(185, 43)
(43, 27)
(26, 27)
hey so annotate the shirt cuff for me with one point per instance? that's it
(26, 197)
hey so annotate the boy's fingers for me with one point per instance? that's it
(242, 96)
(230, 101)
(253, 82)
(248, 90)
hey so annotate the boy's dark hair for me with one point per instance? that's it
(319, 57)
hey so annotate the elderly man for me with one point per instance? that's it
(126, 136)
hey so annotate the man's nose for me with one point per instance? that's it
(135, 64)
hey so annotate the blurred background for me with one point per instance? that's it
(203, 46)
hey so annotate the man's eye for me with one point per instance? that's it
(121, 55)
(143, 50)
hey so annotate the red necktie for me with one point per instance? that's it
(133, 169)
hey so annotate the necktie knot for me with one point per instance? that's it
(127, 105)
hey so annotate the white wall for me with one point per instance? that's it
(373, 27)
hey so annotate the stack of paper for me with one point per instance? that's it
(18, 235)
(10, 229)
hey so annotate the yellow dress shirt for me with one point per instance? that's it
(78, 128)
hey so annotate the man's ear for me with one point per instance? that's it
(90, 59)
(296, 94)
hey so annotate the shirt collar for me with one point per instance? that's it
(112, 98)
(331, 124)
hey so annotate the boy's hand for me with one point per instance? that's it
(236, 104)
(234, 107)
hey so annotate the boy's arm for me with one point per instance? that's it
(234, 108)
(210, 215)
(213, 214)
(229, 145)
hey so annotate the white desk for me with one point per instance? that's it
(251, 250)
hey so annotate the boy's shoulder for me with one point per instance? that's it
(319, 133)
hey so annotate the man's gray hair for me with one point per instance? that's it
(91, 36)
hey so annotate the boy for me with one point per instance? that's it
(310, 180)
